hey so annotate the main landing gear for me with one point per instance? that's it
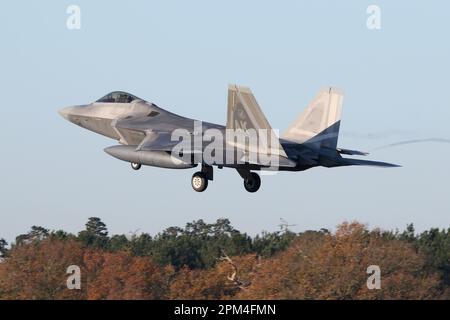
(200, 179)
(252, 183)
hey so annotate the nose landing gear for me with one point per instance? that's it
(199, 182)
(136, 166)
(200, 179)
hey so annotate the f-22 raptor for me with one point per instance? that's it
(149, 135)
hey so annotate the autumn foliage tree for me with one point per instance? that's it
(326, 266)
(122, 276)
(216, 261)
(223, 281)
(37, 270)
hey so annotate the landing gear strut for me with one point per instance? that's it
(200, 179)
(136, 166)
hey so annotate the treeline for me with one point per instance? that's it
(216, 261)
(197, 245)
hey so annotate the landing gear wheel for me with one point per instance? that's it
(199, 182)
(252, 183)
(136, 166)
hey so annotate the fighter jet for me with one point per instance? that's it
(152, 136)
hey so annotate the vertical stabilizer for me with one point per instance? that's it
(319, 123)
(245, 114)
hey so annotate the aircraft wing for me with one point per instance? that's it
(162, 141)
(157, 141)
(279, 161)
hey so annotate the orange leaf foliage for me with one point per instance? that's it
(334, 267)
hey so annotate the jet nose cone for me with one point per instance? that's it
(66, 112)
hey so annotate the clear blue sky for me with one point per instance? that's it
(181, 55)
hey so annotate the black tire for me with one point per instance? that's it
(136, 166)
(253, 183)
(199, 182)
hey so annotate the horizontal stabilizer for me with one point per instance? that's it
(359, 162)
(352, 152)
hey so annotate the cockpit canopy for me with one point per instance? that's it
(118, 97)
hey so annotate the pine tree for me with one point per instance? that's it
(3, 248)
